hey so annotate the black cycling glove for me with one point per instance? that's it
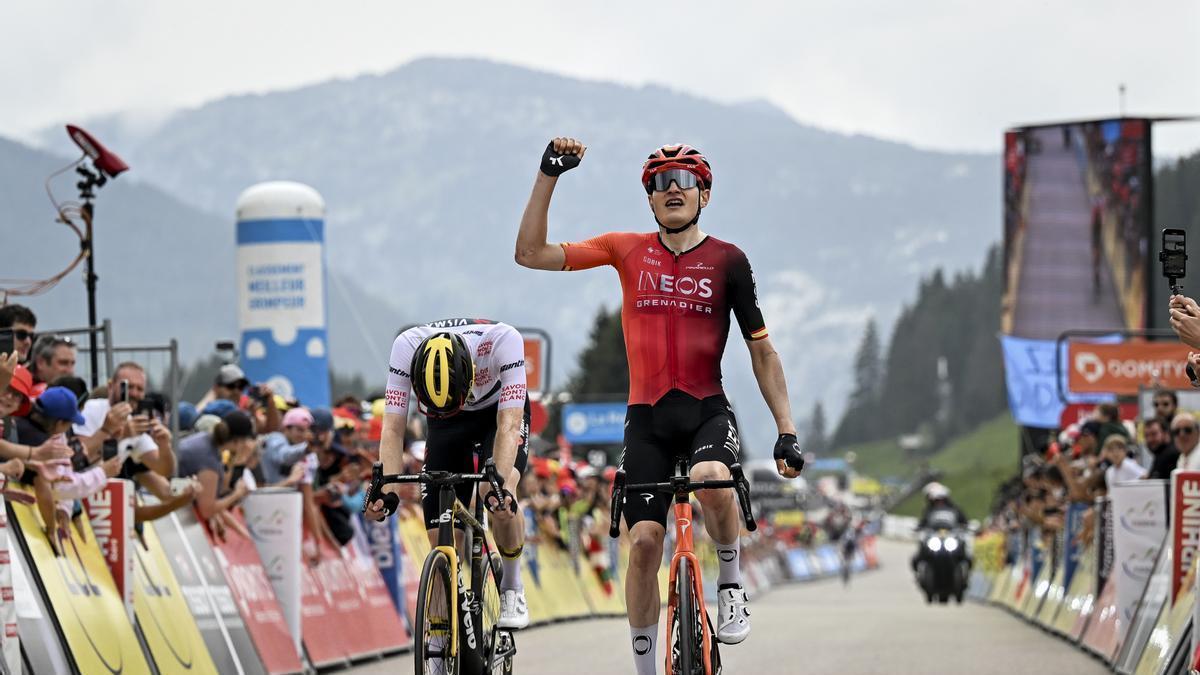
(787, 448)
(555, 164)
(391, 502)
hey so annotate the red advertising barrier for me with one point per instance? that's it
(1185, 525)
(388, 632)
(1101, 634)
(111, 513)
(320, 626)
(334, 580)
(255, 598)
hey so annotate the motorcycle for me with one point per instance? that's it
(942, 565)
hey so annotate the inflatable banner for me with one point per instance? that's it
(82, 595)
(111, 513)
(185, 546)
(252, 592)
(281, 289)
(1185, 524)
(273, 519)
(168, 627)
(1139, 527)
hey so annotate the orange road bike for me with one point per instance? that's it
(458, 606)
(693, 646)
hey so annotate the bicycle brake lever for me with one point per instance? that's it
(494, 500)
(374, 487)
(618, 499)
(743, 493)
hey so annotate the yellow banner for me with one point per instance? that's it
(167, 624)
(84, 598)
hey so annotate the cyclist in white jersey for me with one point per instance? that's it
(468, 376)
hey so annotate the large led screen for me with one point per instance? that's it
(1077, 236)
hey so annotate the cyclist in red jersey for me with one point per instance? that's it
(679, 286)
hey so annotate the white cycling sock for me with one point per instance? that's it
(512, 573)
(729, 562)
(643, 642)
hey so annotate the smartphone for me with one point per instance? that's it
(7, 341)
(1173, 257)
(124, 389)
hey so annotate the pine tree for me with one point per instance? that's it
(868, 370)
(815, 439)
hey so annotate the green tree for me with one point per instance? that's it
(815, 439)
(857, 423)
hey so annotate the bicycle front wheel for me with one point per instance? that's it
(683, 626)
(435, 619)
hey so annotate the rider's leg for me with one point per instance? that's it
(715, 447)
(642, 598)
(509, 530)
(721, 520)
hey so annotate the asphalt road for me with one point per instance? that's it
(879, 624)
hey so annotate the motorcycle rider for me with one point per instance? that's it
(937, 498)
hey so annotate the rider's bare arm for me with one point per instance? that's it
(508, 438)
(768, 370)
(533, 251)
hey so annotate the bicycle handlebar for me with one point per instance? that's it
(682, 485)
(439, 478)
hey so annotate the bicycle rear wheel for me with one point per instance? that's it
(435, 618)
(683, 626)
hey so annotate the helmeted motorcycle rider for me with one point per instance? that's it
(937, 497)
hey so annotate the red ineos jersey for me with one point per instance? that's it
(497, 350)
(676, 308)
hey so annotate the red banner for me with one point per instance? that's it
(1125, 367)
(111, 513)
(321, 627)
(255, 598)
(1185, 525)
(535, 359)
(1078, 413)
(388, 632)
(333, 578)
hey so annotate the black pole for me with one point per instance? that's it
(90, 251)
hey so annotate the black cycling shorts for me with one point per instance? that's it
(678, 424)
(453, 444)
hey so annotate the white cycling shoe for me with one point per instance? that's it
(733, 616)
(514, 612)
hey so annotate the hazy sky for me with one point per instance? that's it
(936, 73)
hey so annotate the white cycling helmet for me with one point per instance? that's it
(936, 491)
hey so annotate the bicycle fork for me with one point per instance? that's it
(684, 549)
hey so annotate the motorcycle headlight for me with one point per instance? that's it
(951, 544)
(934, 544)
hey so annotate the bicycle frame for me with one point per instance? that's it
(684, 549)
(450, 508)
(681, 486)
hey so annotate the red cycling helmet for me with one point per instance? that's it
(679, 156)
